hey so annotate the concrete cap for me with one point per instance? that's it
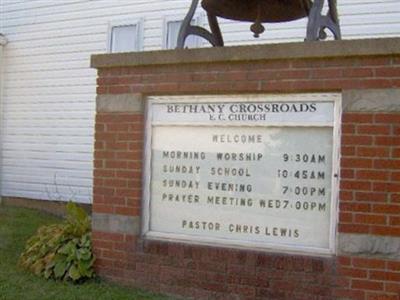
(303, 50)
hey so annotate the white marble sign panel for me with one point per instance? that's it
(265, 183)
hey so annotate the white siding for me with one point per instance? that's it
(2, 44)
(49, 89)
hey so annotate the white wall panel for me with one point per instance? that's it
(49, 89)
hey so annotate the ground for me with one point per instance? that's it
(16, 226)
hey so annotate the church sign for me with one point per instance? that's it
(254, 171)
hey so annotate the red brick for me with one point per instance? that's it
(231, 76)
(373, 151)
(344, 260)
(386, 209)
(347, 173)
(353, 272)
(128, 155)
(393, 265)
(396, 153)
(115, 127)
(374, 129)
(271, 85)
(127, 211)
(384, 276)
(371, 197)
(108, 80)
(115, 255)
(101, 90)
(355, 207)
(344, 83)
(379, 296)
(129, 192)
(358, 72)
(345, 217)
(349, 294)
(133, 202)
(387, 164)
(100, 127)
(104, 154)
(116, 200)
(394, 221)
(117, 146)
(100, 190)
(105, 136)
(126, 80)
(115, 182)
(367, 285)
(134, 183)
(327, 73)
(102, 208)
(119, 89)
(386, 187)
(370, 219)
(101, 244)
(387, 118)
(395, 198)
(357, 118)
(368, 263)
(105, 263)
(353, 228)
(116, 164)
(348, 151)
(395, 176)
(372, 175)
(385, 230)
(346, 195)
(355, 185)
(348, 128)
(131, 136)
(109, 72)
(99, 145)
(98, 164)
(388, 72)
(135, 146)
(392, 287)
(105, 236)
(375, 83)
(128, 174)
(356, 162)
(134, 165)
(357, 140)
(387, 140)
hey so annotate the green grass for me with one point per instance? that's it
(16, 226)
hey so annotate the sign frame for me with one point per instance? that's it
(335, 98)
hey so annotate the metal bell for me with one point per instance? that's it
(258, 11)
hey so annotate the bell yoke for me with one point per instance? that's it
(259, 12)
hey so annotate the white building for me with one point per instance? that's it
(48, 89)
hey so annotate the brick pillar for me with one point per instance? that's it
(117, 184)
(366, 264)
(369, 224)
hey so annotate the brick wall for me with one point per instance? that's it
(370, 172)
(367, 264)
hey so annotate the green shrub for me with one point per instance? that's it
(62, 251)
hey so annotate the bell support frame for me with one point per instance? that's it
(317, 24)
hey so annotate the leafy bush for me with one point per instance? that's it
(62, 251)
